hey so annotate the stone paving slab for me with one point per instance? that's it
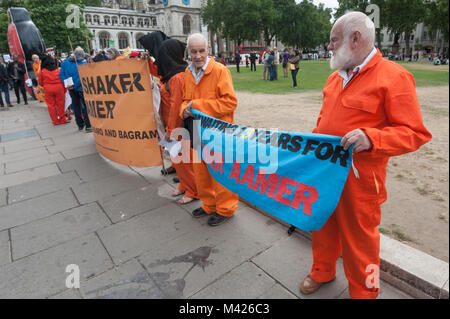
(68, 294)
(126, 205)
(33, 209)
(3, 197)
(5, 253)
(96, 190)
(79, 151)
(244, 282)
(133, 237)
(57, 229)
(187, 264)
(44, 274)
(91, 167)
(128, 281)
(26, 145)
(36, 161)
(277, 292)
(41, 187)
(289, 262)
(5, 136)
(30, 175)
(23, 155)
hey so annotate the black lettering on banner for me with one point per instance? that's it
(100, 86)
(123, 82)
(110, 105)
(91, 85)
(154, 134)
(136, 82)
(295, 144)
(100, 110)
(310, 146)
(340, 154)
(85, 88)
(328, 151)
(110, 84)
(283, 140)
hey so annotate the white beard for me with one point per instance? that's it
(341, 58)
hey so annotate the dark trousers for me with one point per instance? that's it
(294, 76)
(79, 109)
(5, 89)
(253, 66)
(20, 85)
(237, 67)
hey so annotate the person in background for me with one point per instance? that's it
(36, 65)
(69, 69)
(264, 58)
(4, 86)
(134, 55)
(237, 60)
(285, 60)
(113, 54)
(276, 62)
(53, 89)
(253, 59)
(294, 60)
(220, 59)
(16, 71)
(271, 62)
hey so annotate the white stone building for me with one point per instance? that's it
(422, 41)
(120, 23)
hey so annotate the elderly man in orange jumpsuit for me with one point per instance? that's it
(372, 103)
(209, 89)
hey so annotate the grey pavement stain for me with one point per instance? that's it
(174, 288)
(140, 292)
(18, 135)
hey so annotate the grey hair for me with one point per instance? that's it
(113, 52)
(35, 55)
(79, 51)
(198, 36)
(358, 21)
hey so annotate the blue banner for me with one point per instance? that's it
(297, 177)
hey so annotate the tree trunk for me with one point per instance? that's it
(379, 38)
(407, 39)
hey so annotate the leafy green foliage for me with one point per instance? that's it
(51, 22)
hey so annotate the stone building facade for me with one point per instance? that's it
(120, 23)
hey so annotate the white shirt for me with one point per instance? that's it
(198, 76)
(343, 73)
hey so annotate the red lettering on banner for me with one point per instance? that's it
(283, 189)
(236, 171)
(249, 176)
(307, 200)
(270, 182)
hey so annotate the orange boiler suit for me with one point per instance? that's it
(213, 95)
(55, 95)
(170, 108)
(381, 100)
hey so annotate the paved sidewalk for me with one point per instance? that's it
(61, 203)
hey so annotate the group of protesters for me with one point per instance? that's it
(371, 102)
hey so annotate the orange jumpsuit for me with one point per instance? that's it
(36, 69)
(381, 100)
(55, 96)
(213, 95)
(170, 108)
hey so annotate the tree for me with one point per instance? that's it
(55, 31)
(437, 16)
(402, 16)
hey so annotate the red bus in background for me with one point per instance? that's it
(244, 50)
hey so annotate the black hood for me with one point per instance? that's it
(152, 41)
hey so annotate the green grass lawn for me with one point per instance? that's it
(313, 76)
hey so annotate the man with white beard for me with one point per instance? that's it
(372, 103)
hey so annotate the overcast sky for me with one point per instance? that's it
(333, 4)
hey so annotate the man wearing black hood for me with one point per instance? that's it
(171, 68)
(152, 42)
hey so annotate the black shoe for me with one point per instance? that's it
(216, 219)
(176, 180)
(199, 212)
(89, 129)
(26, 103)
